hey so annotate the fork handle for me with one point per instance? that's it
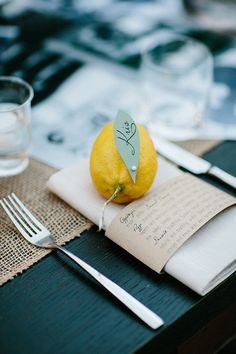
(146, 315)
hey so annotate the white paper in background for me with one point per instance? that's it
(66, 124)
(227, 58)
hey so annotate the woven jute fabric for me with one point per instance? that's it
(199, 147)
(16, 254)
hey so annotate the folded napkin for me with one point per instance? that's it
(201, 263)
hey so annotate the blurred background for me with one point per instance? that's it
(83, 60)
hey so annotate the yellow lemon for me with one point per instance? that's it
(109, 173)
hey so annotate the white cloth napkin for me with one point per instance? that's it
(204, 261)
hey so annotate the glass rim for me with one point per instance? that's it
(172, 35)
(22, 82)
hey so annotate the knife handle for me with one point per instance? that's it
(223, 176)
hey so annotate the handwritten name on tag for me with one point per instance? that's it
(127, 142)
(154, 227)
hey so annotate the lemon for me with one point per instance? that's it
(110, 174)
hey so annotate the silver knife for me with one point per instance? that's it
(191, 162)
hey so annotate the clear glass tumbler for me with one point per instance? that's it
(15, 125)
(176, 73)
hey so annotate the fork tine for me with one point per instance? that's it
(15, 219)
(28, 213)
(23, 215)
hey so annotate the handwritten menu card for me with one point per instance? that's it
(154, 227)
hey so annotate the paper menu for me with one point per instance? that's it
(154, 227)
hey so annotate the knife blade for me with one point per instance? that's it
(191, 162)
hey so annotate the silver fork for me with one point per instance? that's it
(38, 235)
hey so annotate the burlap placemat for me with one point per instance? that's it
(65, 223)
(199, 147)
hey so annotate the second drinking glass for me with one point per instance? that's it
(176, 74)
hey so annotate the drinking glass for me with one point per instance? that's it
(176, 73)
(15, 125)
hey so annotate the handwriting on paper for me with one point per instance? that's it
(155, 226)
(127, 142)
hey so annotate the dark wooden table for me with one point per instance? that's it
(55, 307)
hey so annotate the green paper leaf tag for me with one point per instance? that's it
(127, 142)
